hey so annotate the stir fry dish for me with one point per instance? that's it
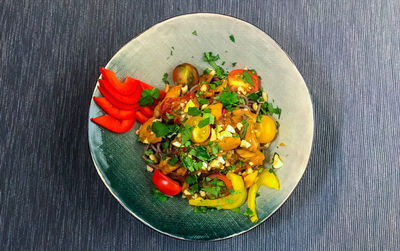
(205, 136)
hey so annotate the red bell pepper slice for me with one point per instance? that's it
(147, 111)
(112, 110)
(115, 102)
(165, 184)
(141, 117)
(129, 100)
(113, 124)
(128, 87)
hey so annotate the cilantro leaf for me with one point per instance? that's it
(236, 210)
(211, 190)
(210, 58)
(159, 195)
(148, 152)
(194, 111)
(194, 32)
(186, 133)
(248, 212)
(201, 153)
(246, 125)
(200, 209)
(248, 78)
(204, 122)
(147, 97)
(165, 78)
(228, 99)
(173, 160)
(191, 179)
(203, 101)
(160, 129)
(232, 38)
(234, 64)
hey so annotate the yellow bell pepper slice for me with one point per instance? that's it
(267, 179)
(228, 202)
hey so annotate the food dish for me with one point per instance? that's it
(118, 158)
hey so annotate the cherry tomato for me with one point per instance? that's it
(185, 74)
(199, 135)
(236, 79)
(165, 184)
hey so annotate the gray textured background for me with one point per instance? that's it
(50, 194)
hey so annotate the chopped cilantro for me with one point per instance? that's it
(211, 190)
(248, 212)
(228, 99)
(194, 111)
(271, 170)
(210, 58)
(273, 110)
(165, 78)
(194, 32)
(204, 122)
(208, 115)
(219, 208)
(186, 133)
(148, 96)
(246, 125)
(258, 120)
(160, 129)
(236, 210)
(191, 179)
(194, 189)
(223, 63)
(207, 71)
(165, 144)
(169, 116)
(200, 152)
(234, 64)
(190, 163)
(173, 160)
(260, 170)
(232, 38)
(215, 148)
(159, 195)
(277, 124)
(257, 194)
(200, 209)
(148, 152)
(248, 78)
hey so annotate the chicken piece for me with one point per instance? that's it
(146, 134)
(255, 158)
(229, 143)
(166, 168)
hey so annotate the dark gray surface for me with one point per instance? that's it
(51, 196)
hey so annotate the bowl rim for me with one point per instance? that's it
(308, 150)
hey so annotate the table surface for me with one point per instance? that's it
(52, 198)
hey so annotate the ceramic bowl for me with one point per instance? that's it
(117, 157)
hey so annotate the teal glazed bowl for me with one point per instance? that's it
(117, 157)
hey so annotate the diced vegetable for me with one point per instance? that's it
(277, 163)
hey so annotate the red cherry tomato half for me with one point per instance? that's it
(223, 178)
(165, 184)
(236, 79)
